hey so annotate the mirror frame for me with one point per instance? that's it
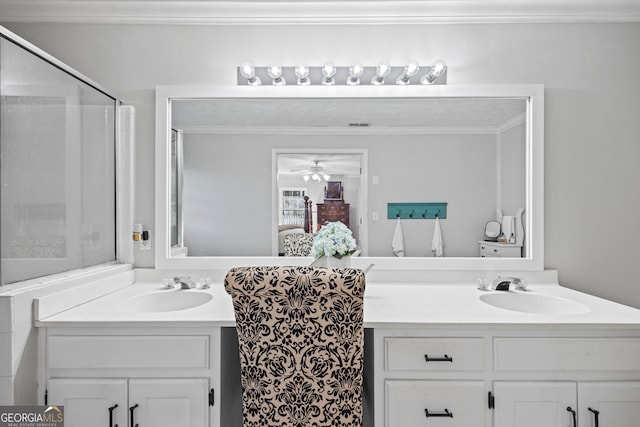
(534, 211)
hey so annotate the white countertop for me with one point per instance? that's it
(386, 305)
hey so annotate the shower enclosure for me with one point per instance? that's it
(57, 169)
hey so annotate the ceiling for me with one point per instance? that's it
(338, 115)
(335, 165)
(319, 11)
(207, 115)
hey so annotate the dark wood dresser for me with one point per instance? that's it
(332, 210)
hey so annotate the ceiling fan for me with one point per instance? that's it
(315, 172)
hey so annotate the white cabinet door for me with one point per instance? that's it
(534, 404)
(169, 402)
(87, 401)
(614, 404)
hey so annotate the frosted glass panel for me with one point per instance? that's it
(57, 168)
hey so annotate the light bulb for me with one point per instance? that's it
(315, 177)
(302, 72)
(326, 177)
(306, 178)
(410, 70)
(328, 71)
(275, 72)
(437, 68)
(382, 70)
(355, 71)
(248, 71)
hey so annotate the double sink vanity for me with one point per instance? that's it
(439, 351)
(436, 354)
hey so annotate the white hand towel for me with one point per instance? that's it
(436, 241)
(397, 244)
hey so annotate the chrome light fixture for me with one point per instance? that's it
(328, 71)
(410, 70)
(382, 70)
(329, 74)
(275, 72)
(248, 71)
(355, 71)
(437, 68)
(302, 73)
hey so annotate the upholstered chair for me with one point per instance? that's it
(301, 338)
(298, 244)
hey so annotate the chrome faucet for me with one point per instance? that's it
(184, 282)
(504, 283)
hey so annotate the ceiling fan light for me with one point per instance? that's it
(306, 178)
(326, 177)
(315, 177)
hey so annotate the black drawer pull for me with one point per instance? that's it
(131, 409)
(111, 415)
(596, 415)
(573, 414)
(444, 413)
(438, 359)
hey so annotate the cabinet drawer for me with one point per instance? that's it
(567, 354)
(122, 352)
(408, 401)
(489, 251)
(434, 354)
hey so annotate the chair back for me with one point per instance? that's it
(301, 338)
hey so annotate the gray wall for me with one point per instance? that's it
(590, 73)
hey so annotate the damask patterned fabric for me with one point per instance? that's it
(301, 338)
(298, 244)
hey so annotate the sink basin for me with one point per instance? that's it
(533, 303)
(165, 301)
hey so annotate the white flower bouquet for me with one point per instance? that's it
(334, 239)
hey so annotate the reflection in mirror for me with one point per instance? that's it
(176, 189)
(470, 153)
(333, 182)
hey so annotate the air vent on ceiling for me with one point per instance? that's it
(358, 124)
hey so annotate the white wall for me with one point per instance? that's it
(590, 72)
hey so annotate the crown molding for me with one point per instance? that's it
(330, 130)
(511, 123)
(319, 11)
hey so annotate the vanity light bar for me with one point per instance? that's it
(356, 74)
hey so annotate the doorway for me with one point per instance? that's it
(309, 172)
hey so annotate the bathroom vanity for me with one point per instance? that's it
(437, 354)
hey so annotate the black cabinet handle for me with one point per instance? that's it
(445, 358)
(111, 415)
(131, 416)
(573, 414)
(444, 413)
(596, 415)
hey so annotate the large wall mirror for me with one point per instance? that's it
(244, 174)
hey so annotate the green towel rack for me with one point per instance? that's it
(417, 210)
